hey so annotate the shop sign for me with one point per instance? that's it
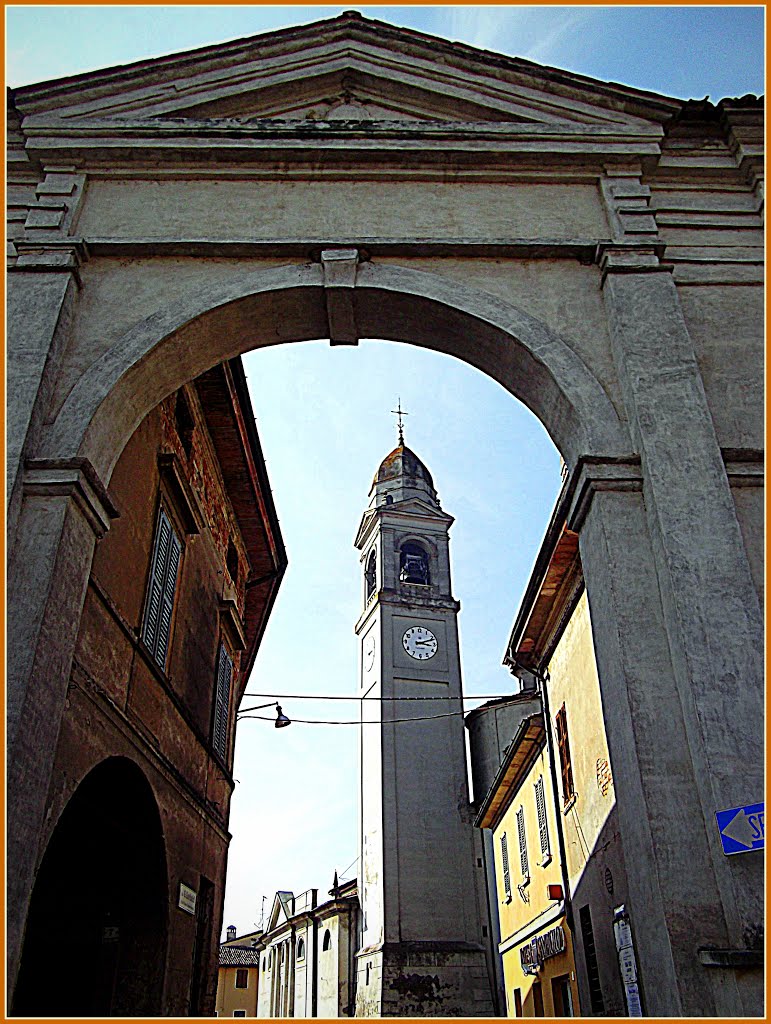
(540, 948)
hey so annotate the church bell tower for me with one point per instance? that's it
(422, 951)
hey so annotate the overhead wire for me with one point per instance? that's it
(394, 721)
(319, 696)
(357, 721)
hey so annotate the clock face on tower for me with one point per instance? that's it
(369, 652)
(420, 643)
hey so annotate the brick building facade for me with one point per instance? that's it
(131, 864)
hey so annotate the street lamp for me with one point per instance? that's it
(281, 720)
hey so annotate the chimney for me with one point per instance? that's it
(231, 933)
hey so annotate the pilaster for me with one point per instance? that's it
(42, 291)
(744, 126)
(65, 509)
(711, 615)
(59, 196)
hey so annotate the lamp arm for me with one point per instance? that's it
(259, 707)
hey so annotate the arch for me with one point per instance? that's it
(97, 924)
(414, 563)
(266, 307)
(370, 575)
(327, 943)
(301, 948)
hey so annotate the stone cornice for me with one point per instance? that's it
(584, 250)
(84, 140)
(77, 480)
(44, 125)
(599, 474)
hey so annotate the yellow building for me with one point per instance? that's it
(552, 641)
(536, 946)
(552, 811)
(238, 977)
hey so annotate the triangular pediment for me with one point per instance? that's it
(348, 69)
(282, 909)
(408, 507)
(417, 507)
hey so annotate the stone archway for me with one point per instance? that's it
(634, 525)
(289, 303)
(95, 942)
(602, 202)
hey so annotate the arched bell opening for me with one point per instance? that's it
(95, 943)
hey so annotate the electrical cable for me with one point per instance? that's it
(356, 721)
(313, 696)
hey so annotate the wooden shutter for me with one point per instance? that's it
(505, 864)
(222, 703)
(543, 827)
(564, 751)
(523, 863)
(162, 588)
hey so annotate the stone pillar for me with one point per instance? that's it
(41, 295)
(42, 286)
(690, 613)
(64, 509)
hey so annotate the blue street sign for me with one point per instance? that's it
(741, 828)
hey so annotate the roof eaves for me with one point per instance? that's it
(512, 772)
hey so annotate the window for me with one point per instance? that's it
(505, 865)
(161, 589)
(590, 955)
(242, 978)
(222, 703)
(301, 949)
(523, 862)
(232, 561)
(563, 745)
(543, 826)
(239, 1013)
(413, 564)
(327, 943)
(370, 576)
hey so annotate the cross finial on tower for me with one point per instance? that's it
(400, 412)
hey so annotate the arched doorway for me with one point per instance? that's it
(96, 934)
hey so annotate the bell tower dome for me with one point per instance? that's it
(422, 951)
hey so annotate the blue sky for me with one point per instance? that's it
(325, 421)
(680, 51)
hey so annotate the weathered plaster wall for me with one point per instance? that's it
(330, 979)
(593, 842)
(190, 208)
(725, 324)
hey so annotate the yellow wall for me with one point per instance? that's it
(529, 904)
(574, 683)
(554, 967)
(230, 998)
